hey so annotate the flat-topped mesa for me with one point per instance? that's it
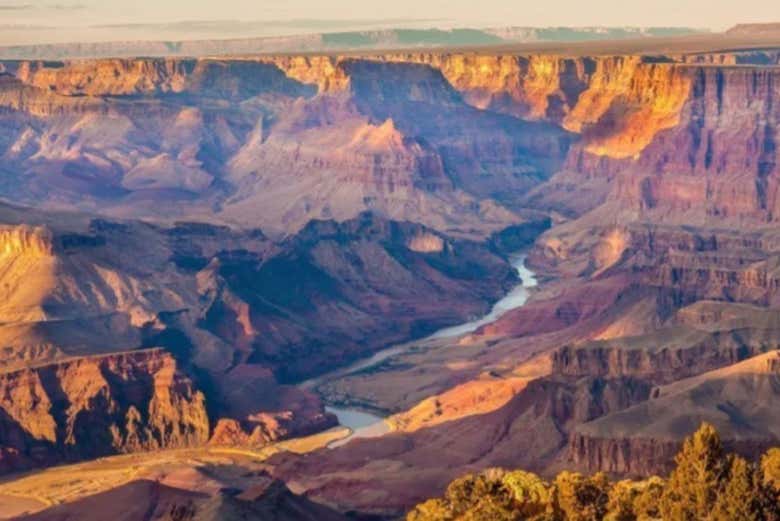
(95, 406)
(644, 439)
(17, 96)
(755, 29)
(677, 353)
(107, 77)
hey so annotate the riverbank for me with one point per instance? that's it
(363, 421)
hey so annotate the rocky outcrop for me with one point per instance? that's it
(717, 164)
(95, 406)
(255, 410)
(665, 355)
(25, 241)
(126, 77)
(247, 134)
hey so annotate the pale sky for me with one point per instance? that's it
(65, 19)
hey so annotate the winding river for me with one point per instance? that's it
(366, 425)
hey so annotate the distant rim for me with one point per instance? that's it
(702, 43)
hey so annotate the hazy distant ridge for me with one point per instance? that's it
(350, 40)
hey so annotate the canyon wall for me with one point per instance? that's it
(91, 407)
(643, 439)
(455, 132)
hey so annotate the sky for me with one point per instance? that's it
(88, 20)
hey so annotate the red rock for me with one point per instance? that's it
(95, 406)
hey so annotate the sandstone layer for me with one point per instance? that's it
(91, 407)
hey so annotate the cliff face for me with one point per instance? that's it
(665, 365)
(622, 443)
(299, 137)
(527, 432)
(618, 103)
(90, 407)
(132, 77)
(25, 241)
(728, 166)
(679, 138)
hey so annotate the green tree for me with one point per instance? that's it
(489, 509)
(579, 498)
(701, 471)
(622, 497)
(647, 502)
(530, 493)
(462, 493)
(474, 497)
(431, 510)
(770, 469)
(770, 484)
(740, 499)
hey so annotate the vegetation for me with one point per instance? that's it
(707, 484)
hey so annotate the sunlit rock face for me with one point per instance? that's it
(25, 241)
(457, 141)
(450, 139)
(728, 133)
(235, 311)
(96, 406)
(657, 173)
(298, 137)
(426, 243)
(127, 77)
(618, 104)
(326, 72)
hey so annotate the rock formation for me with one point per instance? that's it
(644, 439)
(94, 406)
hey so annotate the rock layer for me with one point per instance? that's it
(91, 407)
(747, 390)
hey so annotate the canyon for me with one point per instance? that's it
(227, 250)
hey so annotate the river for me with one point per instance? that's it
(366, 425)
